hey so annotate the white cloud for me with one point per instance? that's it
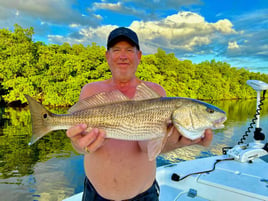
(185, 31)
(233, 45)
(85, 36)
(224, 26)
(253, 39)
(108, 6)
(74, 25)
(182, 32)
(122, 9)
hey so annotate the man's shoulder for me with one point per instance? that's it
(96, 84)
(151, 84)
(156, 87)
(93, 88)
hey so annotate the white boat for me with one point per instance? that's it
(241, 174)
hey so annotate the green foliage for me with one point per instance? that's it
(55, 74)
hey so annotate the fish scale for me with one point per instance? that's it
(130, 121)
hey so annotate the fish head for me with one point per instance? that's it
(194, 117)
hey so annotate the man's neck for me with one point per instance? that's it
(126, 87)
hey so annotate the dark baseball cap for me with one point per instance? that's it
(120, 34)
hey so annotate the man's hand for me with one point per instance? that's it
(86, 141)
(176, 140)
(207, 139)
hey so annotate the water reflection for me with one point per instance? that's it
(50, 170)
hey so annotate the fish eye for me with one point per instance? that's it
(45, 116)
(209, 110)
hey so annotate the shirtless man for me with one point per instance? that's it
(119, 169)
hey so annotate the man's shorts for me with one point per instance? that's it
(90, 194)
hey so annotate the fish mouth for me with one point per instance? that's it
(219, 123)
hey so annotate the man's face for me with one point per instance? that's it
(123, 59)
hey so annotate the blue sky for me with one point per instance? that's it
(232, 31)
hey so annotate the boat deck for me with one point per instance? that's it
(231, 180)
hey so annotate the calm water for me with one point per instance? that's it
(51, 170)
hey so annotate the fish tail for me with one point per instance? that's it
(39, 116)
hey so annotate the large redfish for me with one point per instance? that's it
(143, 118)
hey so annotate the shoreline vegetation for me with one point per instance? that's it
(54, 74)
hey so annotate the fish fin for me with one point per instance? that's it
(115, 96)
(39, 114)
(145, 92)
(98, 100)
(154, 148)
